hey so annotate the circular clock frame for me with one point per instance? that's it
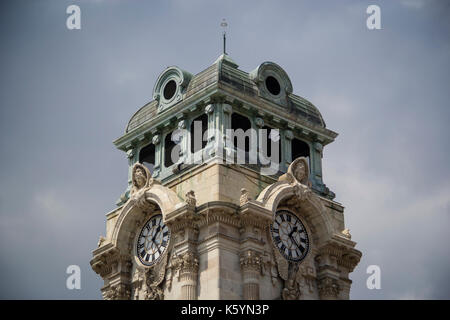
(290, 236)
(153, 241)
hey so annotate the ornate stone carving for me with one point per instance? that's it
(346, 233)
(299, 170)
(209, 108)
(190, 199)
(182, 124)
(156, 139)
(153, 279)
(186, 263)
(281, 263)
(187, 266)
(328, 288)
(245, 196)
(251, 260)
(130, 153)
(259, 122)
(291, 291)
(251, 265)
(140, 178)
(118, 291)
(101, 240)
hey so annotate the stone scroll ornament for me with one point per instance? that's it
(153, 279)
(297, 175)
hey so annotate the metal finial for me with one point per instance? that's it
(224, 25)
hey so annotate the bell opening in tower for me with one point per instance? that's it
(147, 156)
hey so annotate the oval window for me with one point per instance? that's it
(169, 90)
(273, 85)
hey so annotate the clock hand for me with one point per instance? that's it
(295, 241)
(156, 233)
(294, 229)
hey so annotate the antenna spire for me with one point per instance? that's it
(224, 25)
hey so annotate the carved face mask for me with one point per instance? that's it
(140, 178)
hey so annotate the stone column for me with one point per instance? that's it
(287, 150)
(227, 141)
(156, 140)
(211, 111)
(251, 271)
(188, 275)
(316, 162)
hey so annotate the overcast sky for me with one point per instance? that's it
(66, 94)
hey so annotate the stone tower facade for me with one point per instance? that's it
(205, 214)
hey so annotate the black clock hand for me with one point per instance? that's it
(294, 229)
(156, 233)
(295, 241)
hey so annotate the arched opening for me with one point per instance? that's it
(198, 127)
(300, 149)
(241, 137)
(169, 145)
(147, 156)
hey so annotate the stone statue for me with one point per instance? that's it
(299, 170)
(291, 291)
(140, 178)
(190, 199)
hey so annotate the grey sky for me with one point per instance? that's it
(65, 95)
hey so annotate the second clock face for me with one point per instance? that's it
(289, 236)
(153, 240)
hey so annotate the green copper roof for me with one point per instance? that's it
(225, 72)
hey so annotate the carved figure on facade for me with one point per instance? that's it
(190, 199)
(141, 183)
(291, 291)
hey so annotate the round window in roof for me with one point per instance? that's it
(273, 85)
(169, 90)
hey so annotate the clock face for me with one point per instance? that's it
(153, 240)
(289, 236)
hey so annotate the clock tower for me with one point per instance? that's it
(225, 196)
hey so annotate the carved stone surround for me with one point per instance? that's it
(230, 233)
